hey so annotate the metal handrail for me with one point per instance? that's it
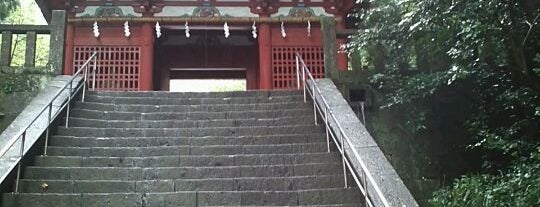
(326, 113)
(21, 135)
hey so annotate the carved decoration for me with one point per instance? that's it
(147, 7)
(338, 7)
(108, 11)
(264, 7)
(301, 12)
(74, 6)
(206, 11)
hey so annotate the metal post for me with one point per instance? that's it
(47, 133)
(84, 83)
(20, 162)
(366, 189)
(304, 81)
(94, 74)
(327, 128)
(314, 96)
(69, 103)
(343, 159)
(297, 72)
(362, 108)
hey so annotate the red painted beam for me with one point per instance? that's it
(265, 57)
(147, 58)
(68, 59)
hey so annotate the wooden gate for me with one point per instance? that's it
(118, 67)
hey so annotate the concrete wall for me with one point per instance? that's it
(363, 151)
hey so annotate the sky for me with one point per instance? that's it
(32, 10)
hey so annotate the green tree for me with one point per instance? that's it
(6, 7)
(486, 55)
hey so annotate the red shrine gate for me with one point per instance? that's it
(142, 61)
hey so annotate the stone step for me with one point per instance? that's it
(158, 173)
(249, 114)
(188, 160)
(188, 150)
(229, 94)
(191, 101)
(190, 108)
(212, 184)
(71, 141)
(312, 197)
(193, 132)
(84, 122)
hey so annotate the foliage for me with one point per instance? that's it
(520, 186)
(485, 54)
(18, 83)
(6, 7)
(20, 15)
(22, 82)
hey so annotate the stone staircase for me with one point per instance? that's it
(127, 149)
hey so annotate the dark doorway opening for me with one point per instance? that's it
(206, 54)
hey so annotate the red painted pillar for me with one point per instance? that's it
(147, 58)
(68, 59)
(342, 61)
(265, 57)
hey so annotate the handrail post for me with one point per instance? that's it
(20, 162)
(366, 189)
(48, 127)
(304, 80)
(314, 96)
(84, 83)
(69, 103)
(362, 108)
(327, 128)
(297, 72)
(343, 159)
(94, 74)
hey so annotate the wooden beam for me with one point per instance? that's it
(206, 20)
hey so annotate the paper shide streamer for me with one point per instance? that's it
(309, 28)
(187, 30)
(254, 30)
(226, 30)
(283, 33)
(158, 30)
(95, 29)
(127, 33)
